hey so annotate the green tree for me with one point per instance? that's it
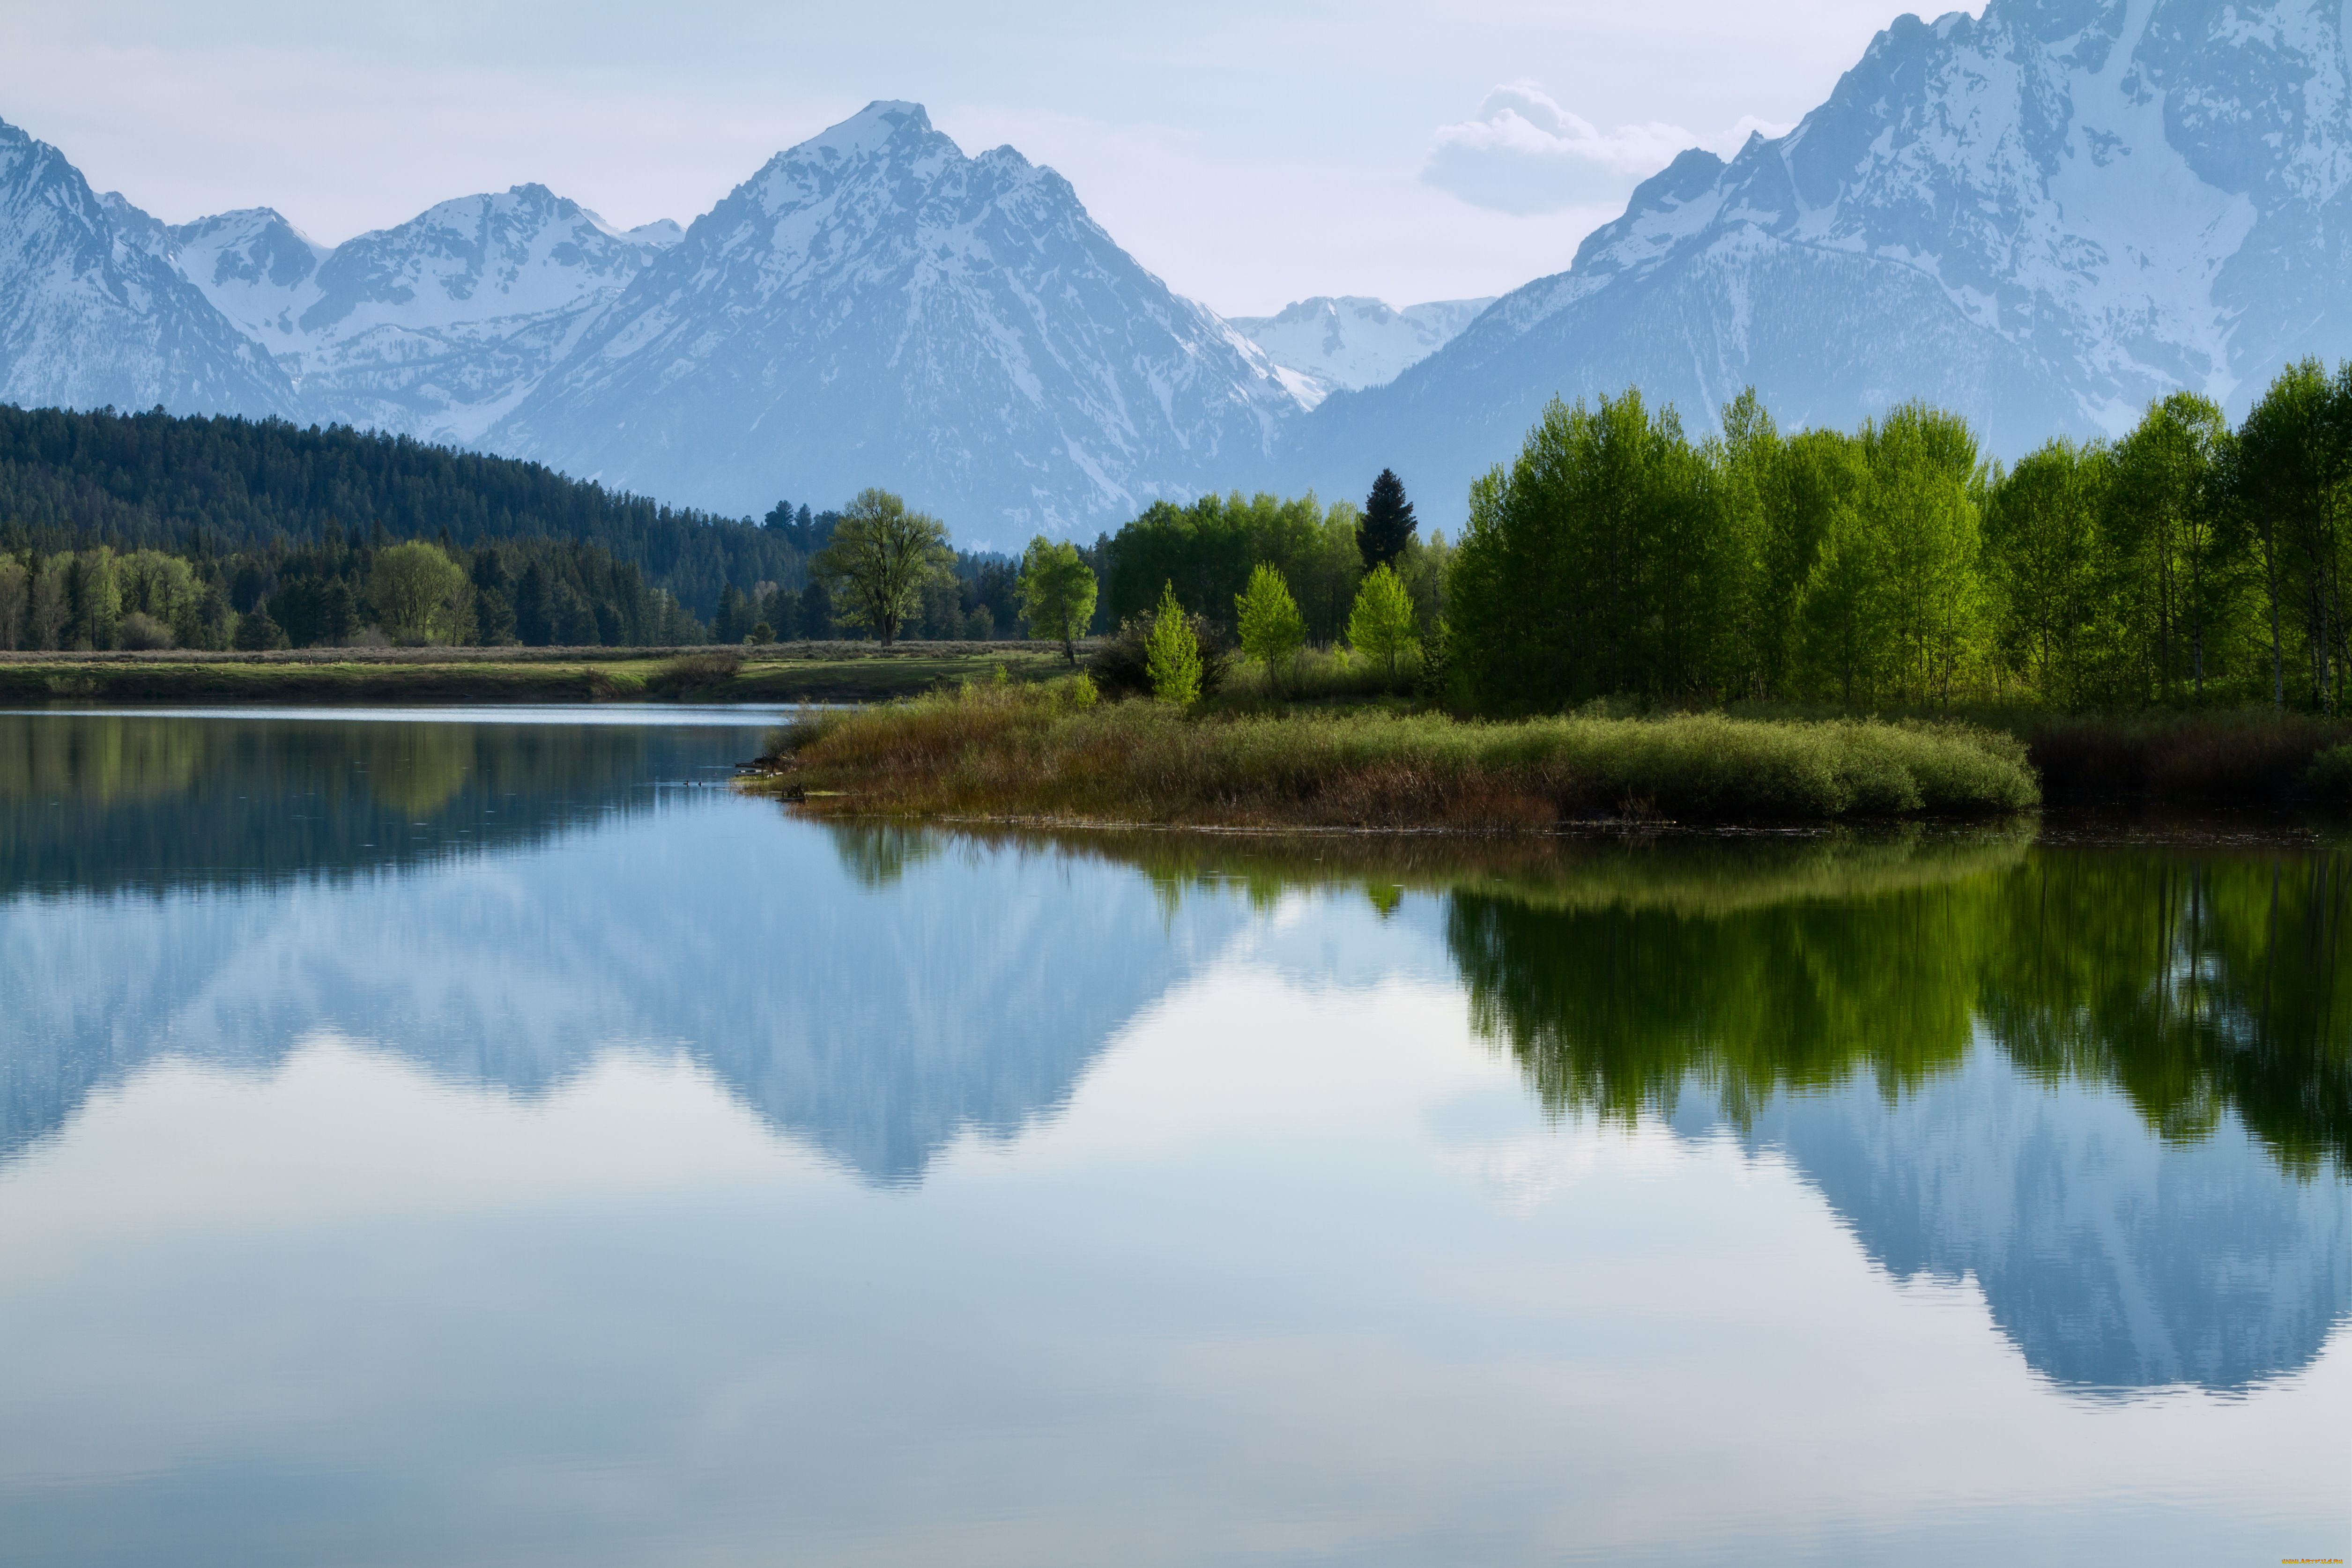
(15, 596)
(2291, 481)
(2282, 485)
(1057, 593)
(1925, 481)
(1270, 627)
(256, 632)
(2042, 557)
(1209, 549)
(2169, 546)
(494, 590)
(1383, 624)
(1389, 523)
(1598, 562)
(1172, 653)
(1422, 568)
(878, 560)
(1846, 633)
(93, 599)
(418, 593)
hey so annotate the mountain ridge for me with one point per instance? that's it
(1041, 375)
(2043, 217)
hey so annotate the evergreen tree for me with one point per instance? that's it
(256, 632)
(817, 612)
(781, 611)
(1388, 525)
(494, 615)
(733, 620)
(535, 607)
(575, 619)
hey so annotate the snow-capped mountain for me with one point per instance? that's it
(1347, 343)
(2042, 218)
(92, 311)
(434, 328)
(875, 307)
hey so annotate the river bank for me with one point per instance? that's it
(832, 671)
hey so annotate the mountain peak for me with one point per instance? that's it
(875, 306)
(869, 130)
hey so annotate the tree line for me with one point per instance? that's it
(2186, 562)
(336, 592)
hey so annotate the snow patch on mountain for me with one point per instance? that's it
(1327, 343)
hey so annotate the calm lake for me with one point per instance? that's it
(488, 1138)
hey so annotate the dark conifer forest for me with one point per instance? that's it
(146, 530)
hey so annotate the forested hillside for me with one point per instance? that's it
(154, 481)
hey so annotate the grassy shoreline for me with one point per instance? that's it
(1043, 754)
(781, 673)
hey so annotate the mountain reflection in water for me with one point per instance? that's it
(2109, 1085)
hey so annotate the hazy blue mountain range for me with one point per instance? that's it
(2042, 217)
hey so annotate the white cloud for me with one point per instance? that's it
(1523, 153)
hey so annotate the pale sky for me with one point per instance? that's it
(1249, 153)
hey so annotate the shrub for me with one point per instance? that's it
(1121, 667)
(2227, 757)
(695, 672)
(2328, 779)
(141, 632)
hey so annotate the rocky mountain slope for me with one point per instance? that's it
(1347, 343)
(92, 311)
(875, 307)
(434, 328)
(2043, 217)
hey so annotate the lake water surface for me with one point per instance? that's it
(486, 1138)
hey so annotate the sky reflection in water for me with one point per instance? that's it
(455, 1143)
